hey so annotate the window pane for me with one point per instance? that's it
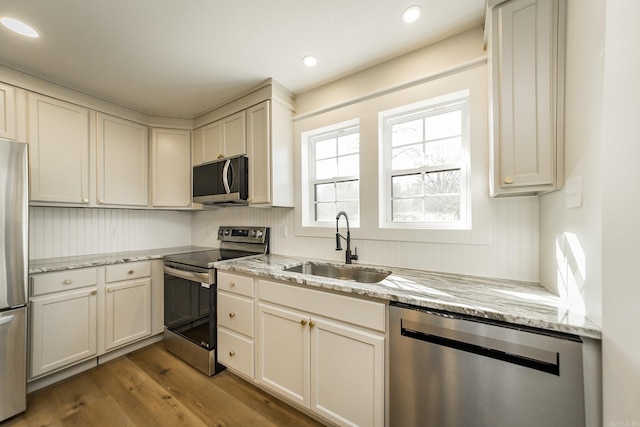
(447, 182)
(351, 208)
(443, 152)
(406, 186)
(325, 211)
(348, 165)
(407, 210)
(442, 208)
(347, 190)
(407, 157)
(326, 168)
(443, 125)
(325, 192)
(326, 148)
(349, 144)
(406, 133)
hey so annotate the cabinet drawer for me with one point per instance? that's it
(127, 271)
(63, 280)
(236, 352)
(241, 285)
(235, 313)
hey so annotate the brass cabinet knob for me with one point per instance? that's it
(130, 272)
(303, 322)
(110, 290)
(508, 179)
(220, 156)
(94, 292)
(100, 201)
(312, 324)
(232, 314)
(232, 353)
(68, 282)
(231, 284)
(85, 200)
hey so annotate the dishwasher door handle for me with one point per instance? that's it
(535, 358)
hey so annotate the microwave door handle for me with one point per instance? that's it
(225, 176)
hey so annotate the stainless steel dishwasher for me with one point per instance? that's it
(450, 370)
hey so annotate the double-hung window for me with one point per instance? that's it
(334, 166)
(426, 165)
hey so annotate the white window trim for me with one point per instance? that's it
(308, 165)
(440, 104)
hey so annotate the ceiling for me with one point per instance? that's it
(179, 58)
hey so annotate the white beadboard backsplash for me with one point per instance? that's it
(60, 232)
(512, 253)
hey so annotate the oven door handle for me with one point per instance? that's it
(188, 275)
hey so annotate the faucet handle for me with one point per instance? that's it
(355, 255)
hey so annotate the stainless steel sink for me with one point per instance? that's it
(352, 273)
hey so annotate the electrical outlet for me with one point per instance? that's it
(573, 192)
(113, 231)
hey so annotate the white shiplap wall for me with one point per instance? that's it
(511, 254)
(60, 232)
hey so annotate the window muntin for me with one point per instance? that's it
(426, 166)
(334, 163)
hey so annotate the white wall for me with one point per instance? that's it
(60, 232)
(571, 239)
(621, 214)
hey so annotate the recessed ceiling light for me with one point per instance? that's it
(411, 14)
(309, 60)
(19, 27)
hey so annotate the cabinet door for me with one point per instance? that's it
(171, 167)
(283, 355)
(63, 329)
(128, 312)
(59, 150)
(208, 145)
(525, 87)
(340, 352)
(7, 112)
(122, 162)
(234, 135)
(259, 153)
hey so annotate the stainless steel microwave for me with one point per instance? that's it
(223, 181)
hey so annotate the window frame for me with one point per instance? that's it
(457, 101)
(309, 139)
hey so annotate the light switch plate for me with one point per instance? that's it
(573, 192)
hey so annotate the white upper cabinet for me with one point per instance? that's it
(7, 112)
(526, 51)
(59, 150)
(122, 162)
(171, 168)
(270, 152)
(220, 139)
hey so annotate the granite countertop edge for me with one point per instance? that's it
(519, 303)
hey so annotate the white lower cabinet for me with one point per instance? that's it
(313, 351)
(80, 314)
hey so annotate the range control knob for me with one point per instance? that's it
(258, 233)
(254, 233)
(220, 232)
(226, 232)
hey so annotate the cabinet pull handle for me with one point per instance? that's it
(232, 314)
(85, 200)
(232, 353)
(100, 201)
(312, 324)
(303, 322)
(94, 292)
(508, 179)
(110, 290)
(68, 282)
(220, 156)
(231, 284)
(130, 272)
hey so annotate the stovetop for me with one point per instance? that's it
(206, 259)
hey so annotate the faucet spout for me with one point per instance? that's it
(348, 255)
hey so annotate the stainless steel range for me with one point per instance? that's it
(190, 298)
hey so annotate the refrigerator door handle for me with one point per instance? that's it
(5, 320)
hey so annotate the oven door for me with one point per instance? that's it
(189, 309)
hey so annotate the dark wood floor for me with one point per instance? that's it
(150, 387)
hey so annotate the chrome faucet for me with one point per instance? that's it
(348, 255)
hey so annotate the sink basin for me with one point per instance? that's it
(352, 273)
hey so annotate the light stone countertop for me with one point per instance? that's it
(520, 303)
(69, 263)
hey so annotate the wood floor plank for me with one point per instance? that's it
(151, 387)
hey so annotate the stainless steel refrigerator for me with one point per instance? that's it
(14, 222)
